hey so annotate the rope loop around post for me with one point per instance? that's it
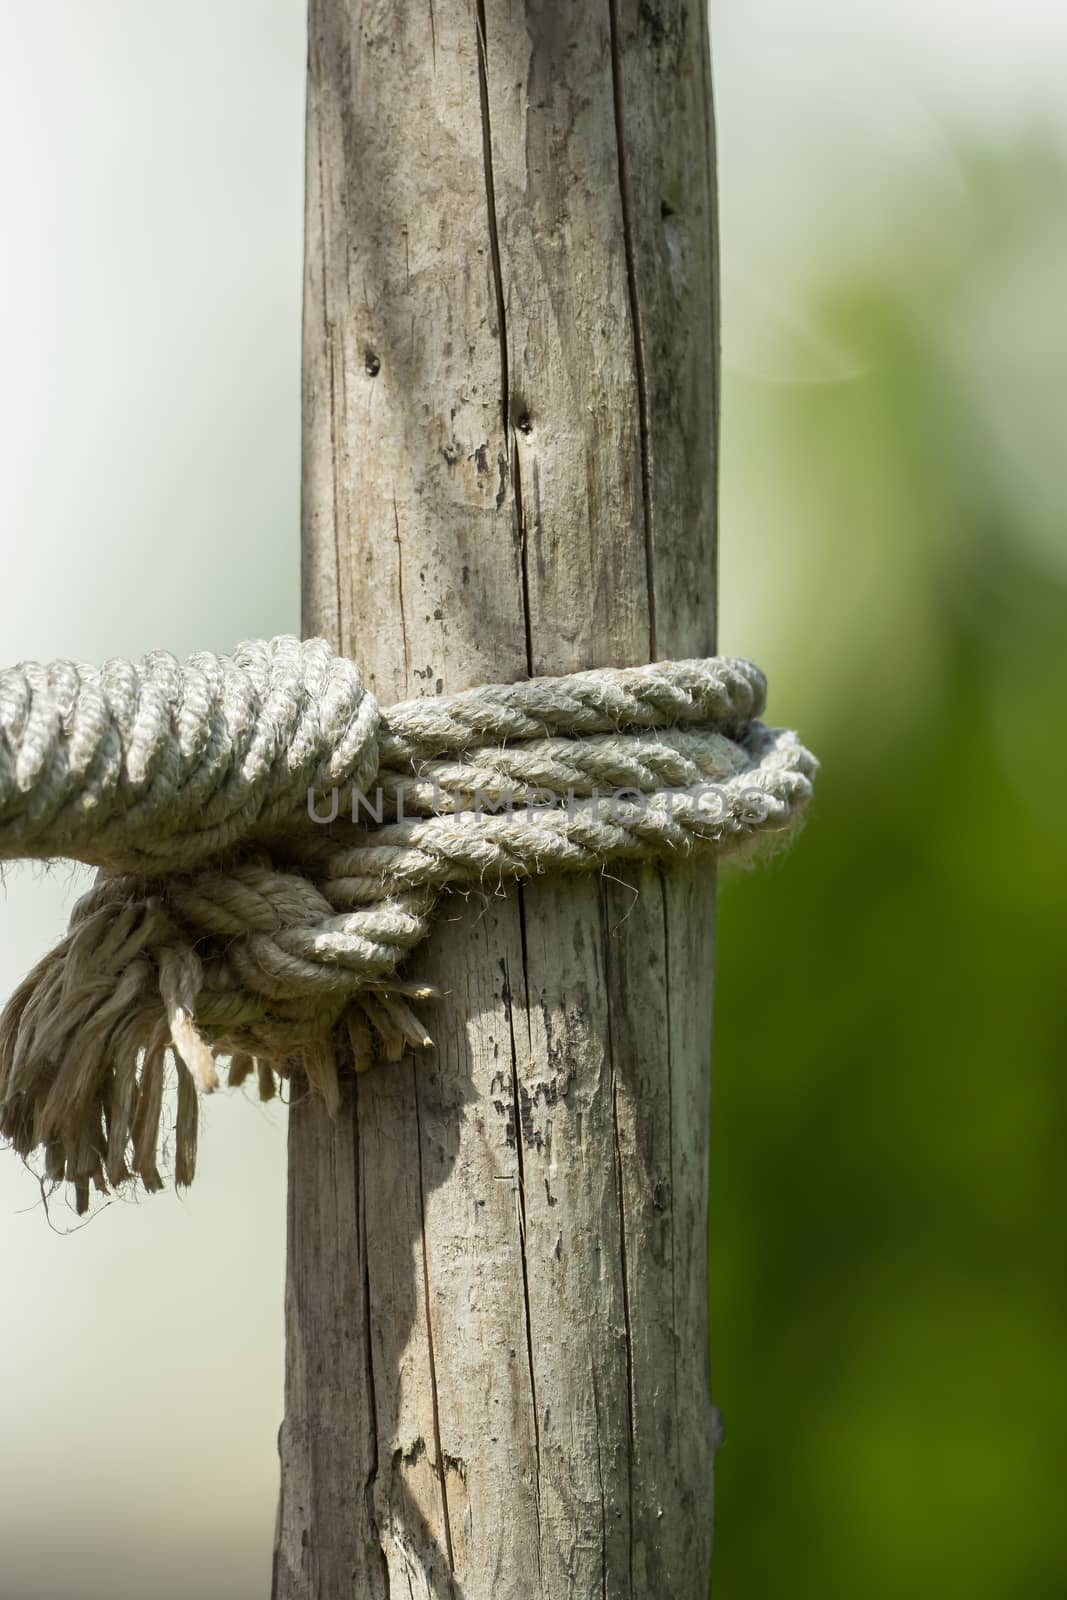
(271, 845)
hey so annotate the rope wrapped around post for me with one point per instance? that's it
(272, 844)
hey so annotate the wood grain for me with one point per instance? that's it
(496, 1300)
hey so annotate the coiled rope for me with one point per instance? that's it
(271, 845)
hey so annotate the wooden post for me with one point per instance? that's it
(497, 1379)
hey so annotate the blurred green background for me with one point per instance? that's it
(888, 1295)
(889, 1304)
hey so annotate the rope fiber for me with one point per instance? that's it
(271, 845)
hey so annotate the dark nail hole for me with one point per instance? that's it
(371, 365)
(524, 423)
(666, 209)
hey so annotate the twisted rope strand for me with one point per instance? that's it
(225, 923)
(159, 765)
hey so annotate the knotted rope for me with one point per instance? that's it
(271, 845)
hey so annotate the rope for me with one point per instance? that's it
(272, 845)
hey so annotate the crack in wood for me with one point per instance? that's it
(662, 877)
(490, 201)
(634, 299)
(620, 1193)
(400, 586)
(521, 1213)
(439, 1463)
(371, 1476)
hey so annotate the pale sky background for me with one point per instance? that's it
(150, 185)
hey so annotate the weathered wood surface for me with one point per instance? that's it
(496, 1302)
